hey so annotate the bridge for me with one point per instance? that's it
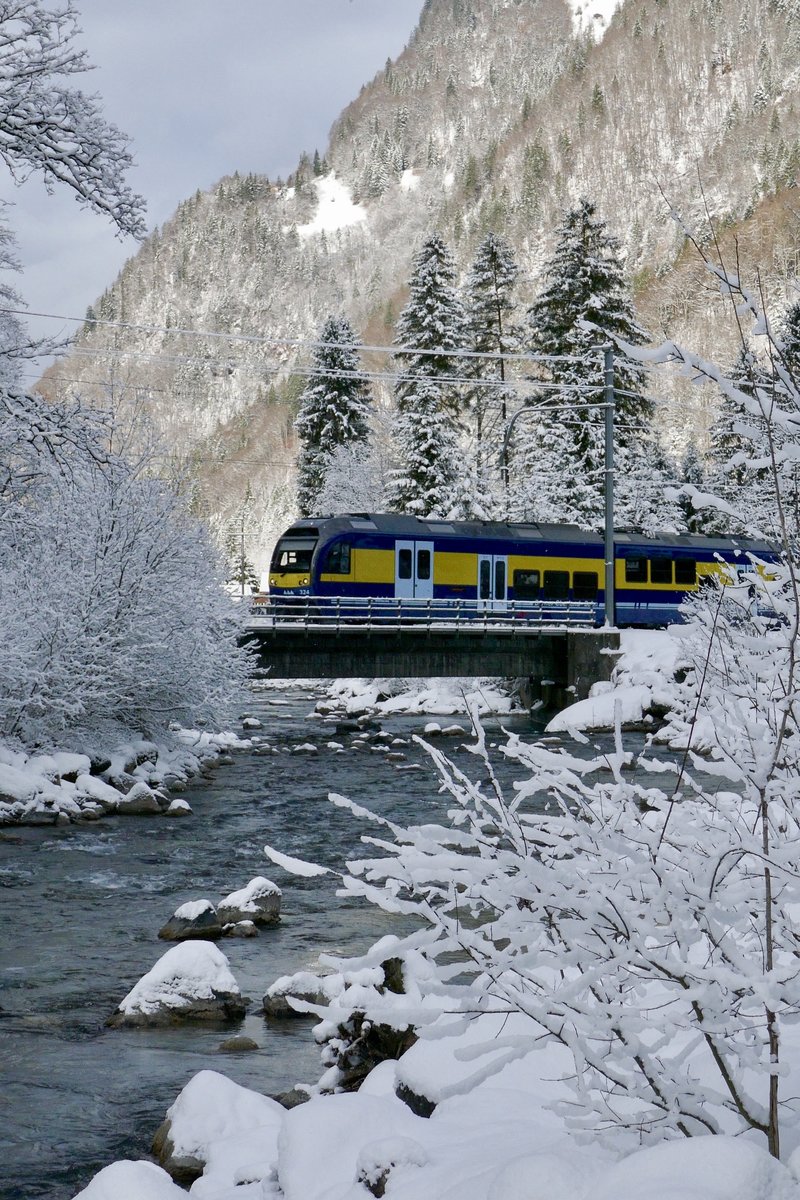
(556, 647)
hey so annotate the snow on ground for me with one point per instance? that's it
(409, 180)
(642, 679)
(434, 697)
(594, 15)
(497, 1141)
(335, 208)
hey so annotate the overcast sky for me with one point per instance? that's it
(204, 88)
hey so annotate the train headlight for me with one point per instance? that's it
(303, 582)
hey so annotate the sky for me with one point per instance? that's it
(203, 88)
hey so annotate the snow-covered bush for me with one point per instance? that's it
(112, 613)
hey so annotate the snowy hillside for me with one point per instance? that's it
(496, 116)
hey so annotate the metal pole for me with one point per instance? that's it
(608, 373)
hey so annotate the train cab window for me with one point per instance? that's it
(661, 570)
(556, 585)
(423, 564)
(685, 571)
(584, 585)
(636, 570)
(338, 559)
(293, 554)
(404, 564)
(526, 585)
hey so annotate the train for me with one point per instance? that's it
(503, 567)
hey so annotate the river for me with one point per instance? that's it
(82, 906)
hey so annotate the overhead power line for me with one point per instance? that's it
(295, 343)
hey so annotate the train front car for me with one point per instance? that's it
(290, 572)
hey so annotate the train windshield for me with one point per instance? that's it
(292, 555)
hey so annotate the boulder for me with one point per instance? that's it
(178, 808)
(259, 901)
(210, 1111)
(237, 1045)
(197, 919)
(192, 981)
(141, 800)
(240, 929)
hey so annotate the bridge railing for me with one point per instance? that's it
(383, 613)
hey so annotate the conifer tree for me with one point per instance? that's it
(334, 408)
(428, 476)
(489, 304)
(584, 301)
(735, 436)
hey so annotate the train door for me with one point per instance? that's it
(413, 570)
(492, 582)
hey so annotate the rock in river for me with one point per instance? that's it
(192, 981)
(259, 902)
(197, 919)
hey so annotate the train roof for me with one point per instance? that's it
(400, 524)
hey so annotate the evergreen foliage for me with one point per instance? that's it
(428, 476)
(334, 408)
(584, 303)
(489, 305)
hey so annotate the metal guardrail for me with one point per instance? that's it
(337, 613)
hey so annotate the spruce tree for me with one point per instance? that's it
(428, 476)
(489, 304)
(334, 408)
(584, 301)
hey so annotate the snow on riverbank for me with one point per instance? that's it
(432, 697)
(642, 682)
(498, 1140)
(134, 778)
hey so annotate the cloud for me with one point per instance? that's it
(203, 89)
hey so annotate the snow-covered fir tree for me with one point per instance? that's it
(735, 475)
(585, 302)
(428, 476)
(489, 304)
(692, 472)
(334, 408)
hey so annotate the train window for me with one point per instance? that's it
(423, 564)
(685, 570)
(292, 554)
(499, 580)
(338, 560)
(556, 585)
(485, 580)
(661, 570)
(636, 570)
(526, 585)
(404, 564)
(584, 585)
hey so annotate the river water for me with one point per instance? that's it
(82, 906)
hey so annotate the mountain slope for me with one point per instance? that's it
(496, 116)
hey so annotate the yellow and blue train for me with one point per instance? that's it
(496, 565)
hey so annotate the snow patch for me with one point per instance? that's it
(335, 208)
(409, 180)
(592, 15)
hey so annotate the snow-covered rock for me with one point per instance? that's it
(192, 981)
(259, 901)
(215, 1128)
(128, 1180)
(197, 919)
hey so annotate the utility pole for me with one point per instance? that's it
(609, 406)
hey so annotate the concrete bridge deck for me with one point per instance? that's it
(564, 662)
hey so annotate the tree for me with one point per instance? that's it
(241, 570)
(585, 303)
(334, 409)
(428, 477)
(489, 305)
(113, 618)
